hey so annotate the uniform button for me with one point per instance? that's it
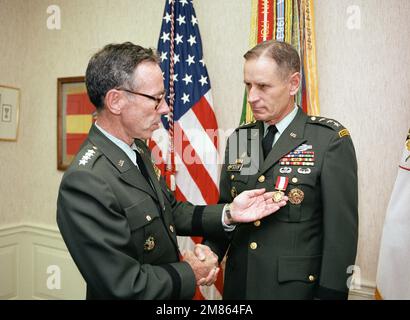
(148, 217)
(312, 278)
(294, 180)
(234, 193)
(313, 118)
(232, 177)
(171, 227)
(257, 223)
(261, 179)
(163, 208)
(253, 245)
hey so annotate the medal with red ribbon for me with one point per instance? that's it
(281, 185)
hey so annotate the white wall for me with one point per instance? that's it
(364, 83)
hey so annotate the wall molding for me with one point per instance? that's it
(37, 264)
(28, 250)
(365, 292)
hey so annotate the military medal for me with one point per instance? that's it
(299, 157)
(149, 244)
(296, 196)
(156, 169)
(304, 170)
(281, 185)
(304, 147)
(285, 170)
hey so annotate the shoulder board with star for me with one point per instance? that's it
(331, 124)
(247, 125)
(87, 156)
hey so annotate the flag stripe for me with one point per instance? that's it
(203, 147)
(195, 167)
(206, 117)
(187, 185)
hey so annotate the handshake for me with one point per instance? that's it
(248, 206)
(204, 263)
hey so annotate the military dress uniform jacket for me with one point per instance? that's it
(304, 250)
(121, 232)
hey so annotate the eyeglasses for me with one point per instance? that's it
(156, 99)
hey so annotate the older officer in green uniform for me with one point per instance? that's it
(115, 213)
(303, 251)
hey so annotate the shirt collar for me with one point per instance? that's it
(129, 150)
(284, 123)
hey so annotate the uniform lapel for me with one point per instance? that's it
(152, 175)
(158, 189)
(136, 179)
(128, 171)
(256, 134)
(292, 137)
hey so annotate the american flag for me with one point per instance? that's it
(188, 138)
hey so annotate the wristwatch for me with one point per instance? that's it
(228, 214)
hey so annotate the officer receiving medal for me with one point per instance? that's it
(304, 250)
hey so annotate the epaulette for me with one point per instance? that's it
(247, 125)
(87, 156)
(330, 123)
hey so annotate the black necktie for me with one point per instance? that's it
(142, 167)
(267, 140)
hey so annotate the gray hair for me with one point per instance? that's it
(112, 67)
(285, 56)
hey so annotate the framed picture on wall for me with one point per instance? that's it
(75, 115)
(9, 112)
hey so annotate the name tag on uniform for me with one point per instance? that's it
(235, 167)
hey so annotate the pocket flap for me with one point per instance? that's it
(299, 268)
(141, 213)
(240, 177)
(309, 180)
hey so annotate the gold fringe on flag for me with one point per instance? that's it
(288, 20)
(310, 59)
(253, 36)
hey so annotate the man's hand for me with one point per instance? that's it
(205, 267)
(203, 252)
(253, 205)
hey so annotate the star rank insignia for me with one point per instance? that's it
(86, 157)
